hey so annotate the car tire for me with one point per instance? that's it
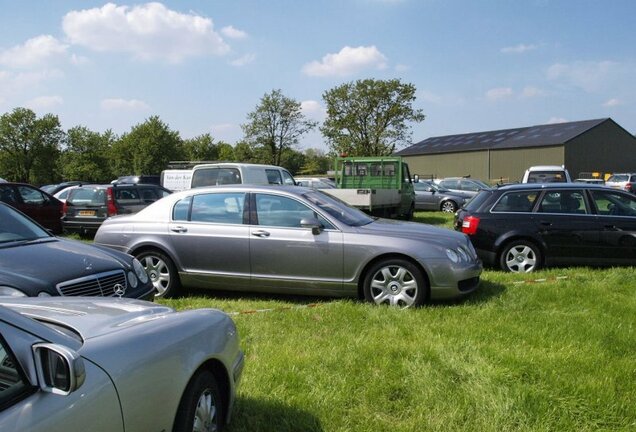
(162, 273)
(409, 214)
(395, 282)
(201, 407)
(448, 206)
(520, 256)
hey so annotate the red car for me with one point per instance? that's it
(37, 204)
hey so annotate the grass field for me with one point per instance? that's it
(551, 351)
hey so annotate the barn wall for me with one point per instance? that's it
(473, 163)
(510, 164)
(606, 148)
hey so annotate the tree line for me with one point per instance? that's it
(363, 118)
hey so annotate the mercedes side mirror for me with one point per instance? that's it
(60, 370)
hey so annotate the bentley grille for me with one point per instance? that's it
(97, 285)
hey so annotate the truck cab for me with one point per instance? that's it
(378, 185)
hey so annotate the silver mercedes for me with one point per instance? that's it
(291, 240)
(104, 364)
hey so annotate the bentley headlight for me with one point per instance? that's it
(7, 291)
(452, 255)
(463, 253)
(140, 271)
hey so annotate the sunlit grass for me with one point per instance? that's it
(550, 351)
(555, 350)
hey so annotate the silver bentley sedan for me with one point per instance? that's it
(105, 364)
(291, 240)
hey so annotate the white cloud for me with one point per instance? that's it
(499, 93)
(590, 76)
(233, 33)
(244, 60)
(612, 103)
(555, 120)
(118, 104)
(148, 32)
(448, 100)
(37, 51)
(45, 102)
(518, 49)
(347, 62)
(531, 92)
(313, 110)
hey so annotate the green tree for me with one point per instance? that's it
(146, 149)
(225, 151)
(316, 162)
(199, 148)
(275, 125)
(369, 117)
(293, 160)
(86, 156)
(30, 146)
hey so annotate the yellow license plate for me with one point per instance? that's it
(87, 213)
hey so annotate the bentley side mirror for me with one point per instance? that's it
(313, 223)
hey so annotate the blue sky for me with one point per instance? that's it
(201, 66)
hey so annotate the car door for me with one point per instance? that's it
(41, 207)
(288, 258)
(617, 225)
(210, 240)
(25, 407)
(567, 227)
(425, 197)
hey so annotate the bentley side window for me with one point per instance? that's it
(279, 211)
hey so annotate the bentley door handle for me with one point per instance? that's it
(260, 233)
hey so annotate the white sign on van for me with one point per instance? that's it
(176, 180)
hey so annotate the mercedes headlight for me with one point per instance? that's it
(7, 291)
(140, 271)
(132, 280)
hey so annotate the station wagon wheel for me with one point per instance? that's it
(201, 407)
(395, 282)
(162, 273)
(448, 206)
(520, 256)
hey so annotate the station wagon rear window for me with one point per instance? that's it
(516, 202)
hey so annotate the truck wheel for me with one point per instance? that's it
(162, 273)
(409, 214)
(395, 282)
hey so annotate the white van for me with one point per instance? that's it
(236, 173)
(546, 174)
(176, 179)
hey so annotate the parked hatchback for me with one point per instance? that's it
(462, 184)
(626, 182)
(429, 196)
(86, 207)
(523, 227)
(35, 203)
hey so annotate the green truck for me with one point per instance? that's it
(378, 185)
